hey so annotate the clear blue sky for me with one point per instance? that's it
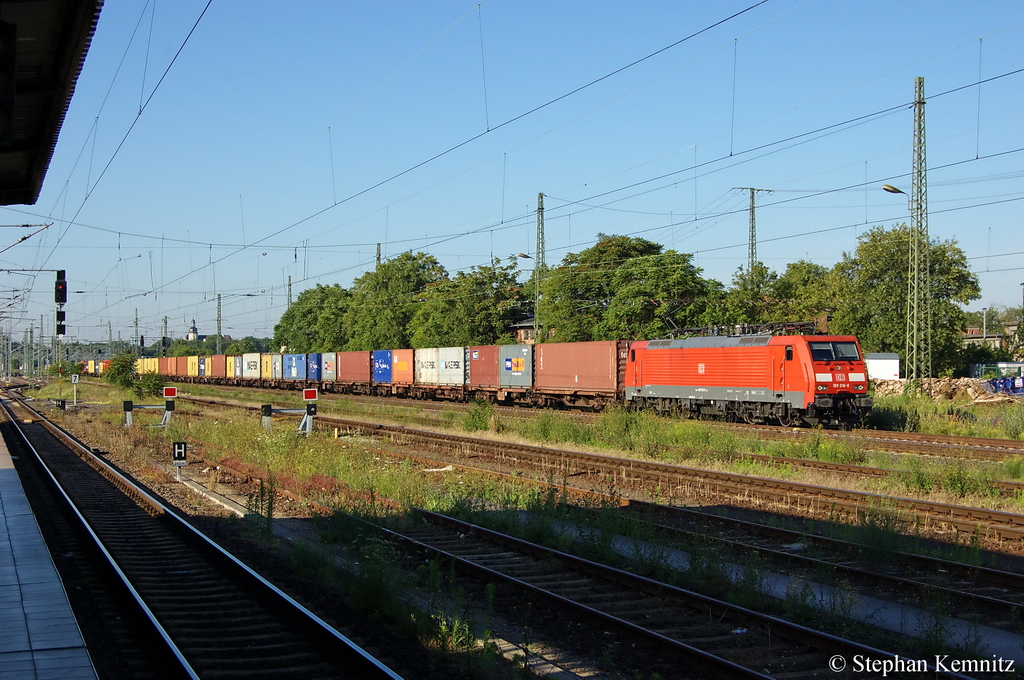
(276, 144)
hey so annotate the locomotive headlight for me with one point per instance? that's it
(858, 387)
(822, 388)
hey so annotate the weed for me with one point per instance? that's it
(800, 601)
(260, 511)
(312, 561)
(478, 417)
(959, 481)
(1013, 467)
(377, 585)
(1013, 421)
(916, 479)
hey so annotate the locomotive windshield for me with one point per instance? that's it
(834, 351)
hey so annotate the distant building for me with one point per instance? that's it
(193, 334)
(995, 341)
(525, 335)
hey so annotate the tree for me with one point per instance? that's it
(185, 348)
(752, 296)
(576, 294)
(654, 294)
(869, 293)
(249, 344)
(384, 301)
(474, 308)
(800, 293)
(65, 368)
(315, 321)
(121, 371)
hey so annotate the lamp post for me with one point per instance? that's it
(918, 339)
(984, 325)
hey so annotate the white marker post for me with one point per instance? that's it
(74, 389)
(179, 454)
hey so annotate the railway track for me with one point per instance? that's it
(976, 591)
(678, 480)
(726, 639)
(214, 617)
(947, 446)
(982, 594)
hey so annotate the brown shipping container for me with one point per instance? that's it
(580, 366)
(216, 366)
(354, 367)
(181, 366)
(403, 366)
(166, 366)
(483, 366)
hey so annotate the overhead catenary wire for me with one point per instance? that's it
(467, 232)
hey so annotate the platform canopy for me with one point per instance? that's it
(51, 41)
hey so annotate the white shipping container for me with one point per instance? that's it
(251, 365)
(451, 366)
(426, 366)
(883, 366)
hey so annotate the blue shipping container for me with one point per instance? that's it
(382, 366)
(202, 365)
(294, 367)
(313, 366)
(238, 366)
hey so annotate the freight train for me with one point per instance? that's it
(786, 379)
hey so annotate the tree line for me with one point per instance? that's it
(631, 288)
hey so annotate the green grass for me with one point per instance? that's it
(907, 413)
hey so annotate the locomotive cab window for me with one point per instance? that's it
(834, 351)
(789, 352)
(632, 355)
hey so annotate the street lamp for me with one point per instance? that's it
(984, 325)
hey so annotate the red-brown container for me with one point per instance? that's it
(216, 366)
(166, 366)
(483, 366)
(181, 366)
(594, 367)
(403, 366)
(354, 367)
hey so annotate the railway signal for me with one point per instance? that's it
(60, 289)
(305, 425)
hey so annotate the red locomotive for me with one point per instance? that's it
(789, 379)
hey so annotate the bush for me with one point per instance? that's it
(121, 372)
(65, 368)
(1013, 421)
(149, 384)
